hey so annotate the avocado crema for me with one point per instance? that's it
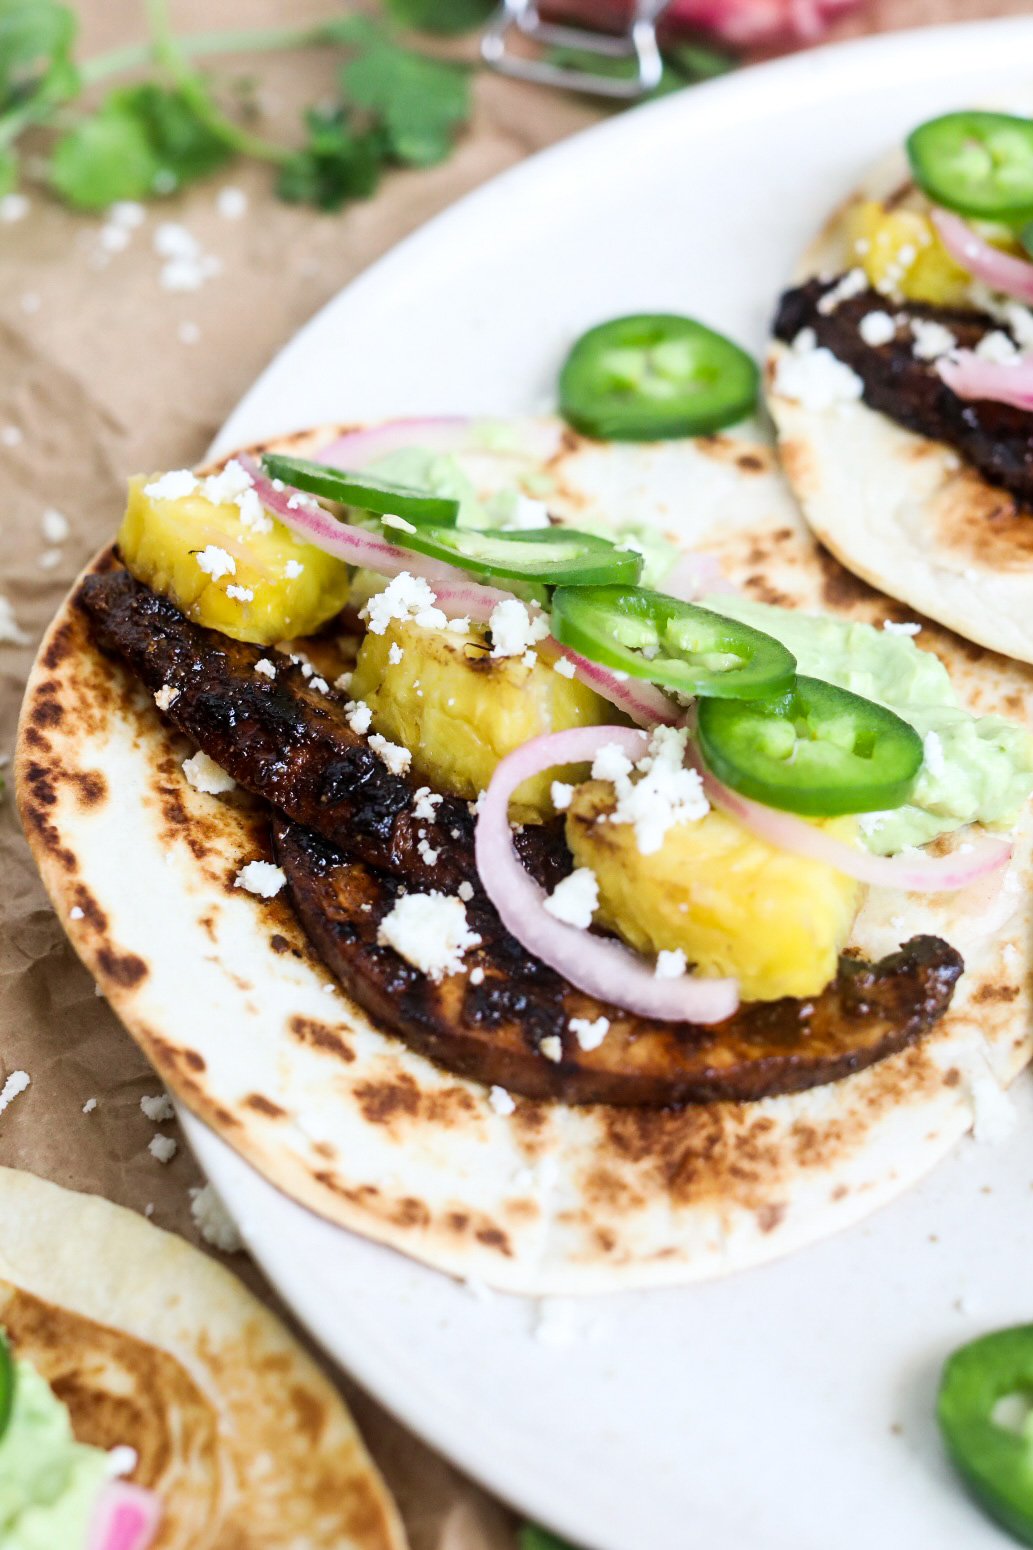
(977, 769)
(49, 1483)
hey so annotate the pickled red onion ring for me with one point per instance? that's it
(125, 1517)
(535, 441)
(311, 522)
(996, 381)
(1001, 271)
(914, 874)
(643, 702)
(602, 968)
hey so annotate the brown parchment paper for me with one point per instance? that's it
(104, 373)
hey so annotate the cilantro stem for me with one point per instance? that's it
(169, 53)
(243, 40)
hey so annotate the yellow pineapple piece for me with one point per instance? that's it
(459, 710)
(901, 253)
(233, 569)
(733, 904)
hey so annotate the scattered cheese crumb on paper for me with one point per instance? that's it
(214, 1222)
(158, 1109)
(162, 1148)
(16, 1083)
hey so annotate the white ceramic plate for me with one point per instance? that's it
(791, 1405)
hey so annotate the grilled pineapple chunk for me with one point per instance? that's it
(459, 710)
(731, 902)
(240, 572)
(901, 253)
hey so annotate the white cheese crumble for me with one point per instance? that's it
(513, 630)
(357, 713)
(589, 1034)
(231, 203)
(76, 913)
(207, 776)
(430, 931)
(215, 562)
(552, 1048)
(668, 793)
(525, 515)
(122, 1461)
(997, 347)
(89, 1106)
(10, 436)
(910, 627)
(54, 525)
(397, 758)
(320, 685)
(426, 803)
(851, 284)
(293, 569)
(16, 1083)
(931, 339)
(404, 597)
(261, 878)
(49, 559)
(561, 795)
(611, 764)
(564, 667)
(670, 965)
(458, 626)
(397, 522)
(876, 328)
(428, 854)
(394, 653)
(158, 1109)
(813, 376)
(477, 976)
(240, 594)
(529, 658)
(253, 514)
(13, 207)
(501, 1101)
(162, 1148)
(166, 697)
(10, 632)
(465, 892)
(173, 486)
(933, 758)
(228, 485)
(265, 667)
(575, 899)
(213, 1221)
(343, 681)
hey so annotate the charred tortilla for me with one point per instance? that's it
(921, 494)
(226, 994)
(151, 1344)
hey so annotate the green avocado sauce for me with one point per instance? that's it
(976, 768)
(48, 1481)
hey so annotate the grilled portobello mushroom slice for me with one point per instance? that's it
(492, 1031)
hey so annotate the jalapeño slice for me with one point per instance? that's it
(816, 750)
(6, 1384)
(985, 1396)
(980, 164)
(381, 496)
(677, 645)
(653, 377)
(549, 555)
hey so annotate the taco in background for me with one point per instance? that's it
(900, 383)
(146, 1398)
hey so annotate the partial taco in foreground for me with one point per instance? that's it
(901, 383)
(340, 887)
(148, 1400)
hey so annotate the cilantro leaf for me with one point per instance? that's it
(36, 38)
(534, 1538)
(106, 157)
(338, 163)
(419, 101)
(445, 17)
(141, 140)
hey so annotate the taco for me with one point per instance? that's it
(147, 1399)
(269, 858)
(900, 384)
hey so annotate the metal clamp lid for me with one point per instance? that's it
(638, 43)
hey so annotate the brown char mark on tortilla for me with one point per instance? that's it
(492, 1031)
(996, 439)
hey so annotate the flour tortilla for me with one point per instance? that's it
(225, 995)
(902, 511)
(153, 1345)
